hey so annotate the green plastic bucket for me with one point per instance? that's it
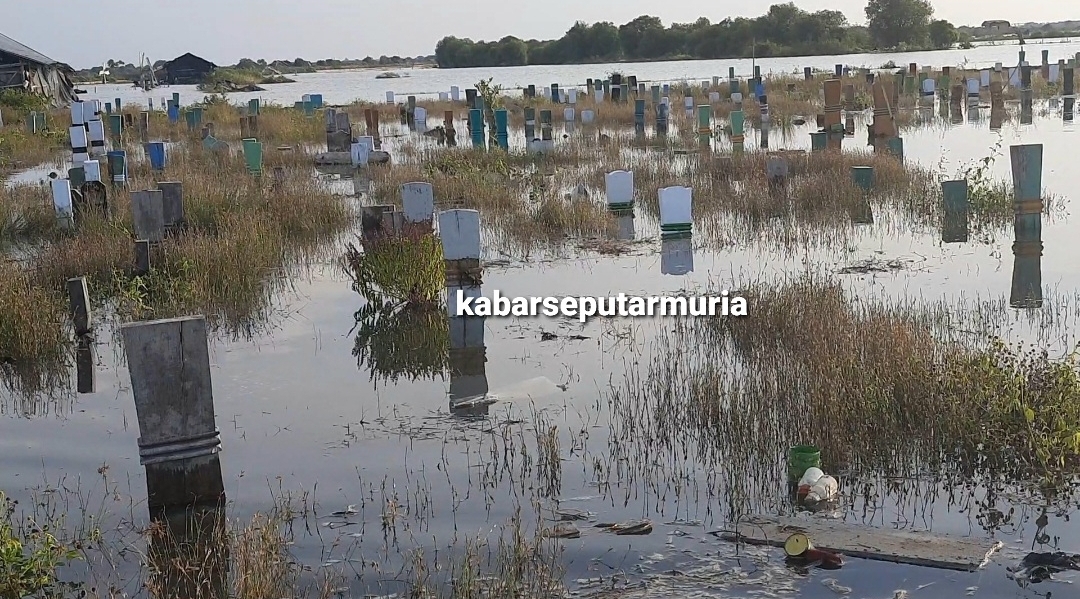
(800, 459)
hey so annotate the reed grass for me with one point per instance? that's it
(240, 240)
(878, 386)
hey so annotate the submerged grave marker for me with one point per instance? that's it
(169, 362)
(954, 227)
(619, 190)
(675, 211)
(1026, 161)
(79, 305)
(418, 202)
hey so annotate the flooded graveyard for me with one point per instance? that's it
(233, 366)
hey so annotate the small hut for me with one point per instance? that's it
(26, 70)
(186, 70)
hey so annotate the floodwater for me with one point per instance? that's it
(343, 87)
(297, 413)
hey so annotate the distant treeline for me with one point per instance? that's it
(785, 30)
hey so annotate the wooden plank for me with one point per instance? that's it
(918, 548)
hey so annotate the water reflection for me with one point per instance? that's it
(85, 365)
(401, 341)
(1027, 274)
(188, 553)
(467, 357)
(625, 222)
(997, 117)
(677, 256)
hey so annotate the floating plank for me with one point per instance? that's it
(918, 548)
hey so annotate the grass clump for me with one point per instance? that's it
(879, 387)
(406, 268)
(33, 339)
(29, 557)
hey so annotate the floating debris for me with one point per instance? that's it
(632, 527)
(568, 514)
(348, 511)
(833, 585)
(1039, 567)
(563, 530)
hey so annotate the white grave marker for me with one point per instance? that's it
(361, 150)
(92, 170)
(619, 189)
(459, 231)
(61, 192)
(675, 214)
(418, 202)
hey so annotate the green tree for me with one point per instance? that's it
(943, 34)
(512, 51)
(893, 23)
(633, 33)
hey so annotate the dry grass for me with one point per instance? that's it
(879, 387)
(241, 238)
(33, 340)
(198, 553)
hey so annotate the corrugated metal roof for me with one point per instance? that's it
(11, 46)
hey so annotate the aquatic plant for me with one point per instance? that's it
(857, 378)
(406, 268)
(29, 557)
(33, 339)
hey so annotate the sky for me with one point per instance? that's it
(224, 31)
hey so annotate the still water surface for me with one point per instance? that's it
(343, 87)
(297, 413)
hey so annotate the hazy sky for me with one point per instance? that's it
(223, 31)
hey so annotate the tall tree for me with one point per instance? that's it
(896, 22)
(943, 34)
(633, 33)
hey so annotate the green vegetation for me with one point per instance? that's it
(406, 268)
(29, 558)
(785, 30)
(237, 79)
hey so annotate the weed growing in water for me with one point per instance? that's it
(407, 268)
(29, 556)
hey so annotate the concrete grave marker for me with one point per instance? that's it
(619, 189)
(360, 151)
(418, 202)
(148, 215)
(61, 193)
(675, 211)
(459, 231)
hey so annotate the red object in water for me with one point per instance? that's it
(827, 559)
